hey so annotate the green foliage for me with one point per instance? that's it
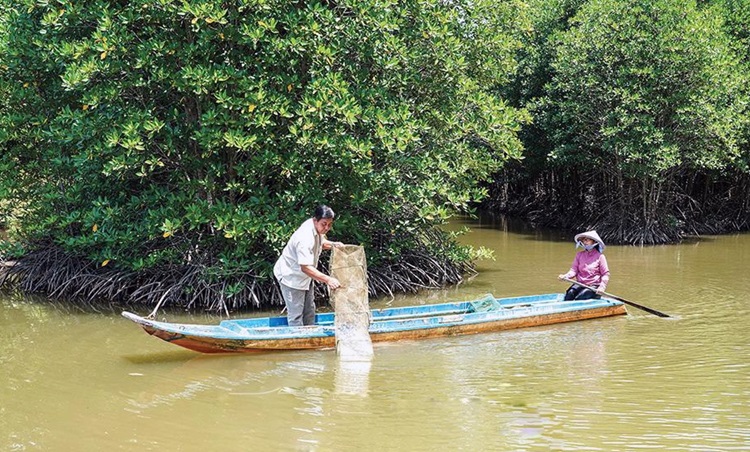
(736, 14)
(151, 133)
(546, 19)
(645, 87)
(641, 121)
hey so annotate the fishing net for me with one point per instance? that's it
(487, 303)
(352, 323)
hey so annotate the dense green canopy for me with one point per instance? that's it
(165, 150)
(640, 118)
(149, 134)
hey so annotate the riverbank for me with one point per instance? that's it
(53, 273)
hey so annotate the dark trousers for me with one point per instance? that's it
(300, 305)
(576, 292)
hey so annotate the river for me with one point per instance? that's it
(75, 381)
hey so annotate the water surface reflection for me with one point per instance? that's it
(93, 381)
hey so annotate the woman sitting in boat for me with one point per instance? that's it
(296, 268)
(589, 268)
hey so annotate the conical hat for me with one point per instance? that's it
(593, 236)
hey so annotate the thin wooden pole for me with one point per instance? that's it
(635, 305)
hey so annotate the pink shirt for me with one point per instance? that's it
(590, 268)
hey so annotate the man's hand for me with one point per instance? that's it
(333, 283)
(327, 244)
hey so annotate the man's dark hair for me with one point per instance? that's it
(323, 211)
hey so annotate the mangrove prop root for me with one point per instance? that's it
(55, 274)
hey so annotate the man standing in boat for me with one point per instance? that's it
(297, 266)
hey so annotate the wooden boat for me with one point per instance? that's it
(389, 324)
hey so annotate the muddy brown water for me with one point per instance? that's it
(74, 381)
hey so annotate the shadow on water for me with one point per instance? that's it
(188, 355)
(498, 222)
(31, 303)
(161, 357)
(20, 299)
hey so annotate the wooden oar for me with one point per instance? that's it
(635, 305)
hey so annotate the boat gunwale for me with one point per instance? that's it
(421, 321)
(212, 345)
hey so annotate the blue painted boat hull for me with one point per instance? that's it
(391, 324)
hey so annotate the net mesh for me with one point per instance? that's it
(352, 322)
(486, 304)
